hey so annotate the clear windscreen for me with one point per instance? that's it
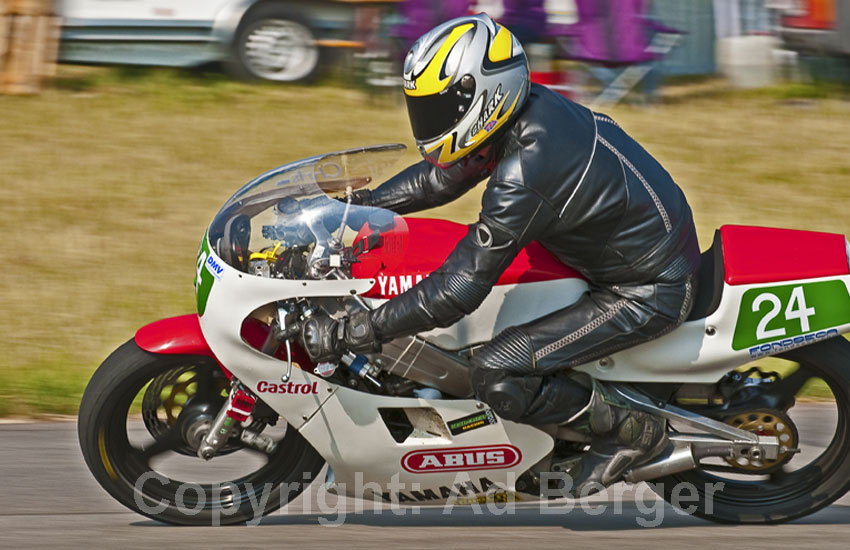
(297, 221)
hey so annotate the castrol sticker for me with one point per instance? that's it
(489, 457)
(307, 388)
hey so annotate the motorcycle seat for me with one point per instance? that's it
(745, 255)
(709, 281)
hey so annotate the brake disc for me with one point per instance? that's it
(770, 423)
(175, 392)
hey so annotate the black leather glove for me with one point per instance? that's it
(326, 339)
(361, 197)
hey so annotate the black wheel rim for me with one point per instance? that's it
(131, 464)
(791, 493)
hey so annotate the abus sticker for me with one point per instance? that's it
(490, 457)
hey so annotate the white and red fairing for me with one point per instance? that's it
(536, 284)
(345, 426)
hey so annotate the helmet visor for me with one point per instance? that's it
(433, 115)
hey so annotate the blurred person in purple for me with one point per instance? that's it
(525, 18)
(420, 16)
(612, 35)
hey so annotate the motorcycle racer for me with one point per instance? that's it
(559, 174)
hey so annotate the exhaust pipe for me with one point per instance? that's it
(679, 458)
(686, 450)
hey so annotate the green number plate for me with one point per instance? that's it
(790, 312)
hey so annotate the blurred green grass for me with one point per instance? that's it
(108, 180)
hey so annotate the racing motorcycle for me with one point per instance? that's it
(224, 402)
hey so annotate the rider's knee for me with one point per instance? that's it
(504, 393)
(510, 351)
(497, 373)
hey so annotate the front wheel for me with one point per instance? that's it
(798, 484)
(148, 461)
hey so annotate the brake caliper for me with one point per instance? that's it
(236, 410)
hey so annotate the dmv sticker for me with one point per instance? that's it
(214, 267)
(208, 271)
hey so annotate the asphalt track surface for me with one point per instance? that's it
(48, 499)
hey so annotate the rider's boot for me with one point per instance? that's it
(621, 439)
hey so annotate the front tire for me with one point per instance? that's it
(788, 493)
(136, 473)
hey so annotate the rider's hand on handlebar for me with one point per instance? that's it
(326, 339)
(361, 197)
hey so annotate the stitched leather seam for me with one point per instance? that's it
(582, 359)
(661, 210)
(603, 118)
(687, 302)
(583, 331)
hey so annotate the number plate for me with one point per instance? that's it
(789, 311)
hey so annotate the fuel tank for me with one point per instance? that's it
(535, 283)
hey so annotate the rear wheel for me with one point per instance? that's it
(148, 462)
(795, 485)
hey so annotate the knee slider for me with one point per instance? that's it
(507, 399)
(497, 388)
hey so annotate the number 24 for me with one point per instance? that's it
(800, 312)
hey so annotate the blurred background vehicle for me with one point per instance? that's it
(596, 50)
(817, 26)
(280, 40)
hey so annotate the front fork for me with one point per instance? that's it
(236, 410)
(241, 402)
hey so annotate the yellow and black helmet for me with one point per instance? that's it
(463, 81)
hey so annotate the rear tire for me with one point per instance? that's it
(784, 496)
(124, 469)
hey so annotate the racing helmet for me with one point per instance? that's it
(463, 81)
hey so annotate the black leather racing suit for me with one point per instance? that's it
(574, 181)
